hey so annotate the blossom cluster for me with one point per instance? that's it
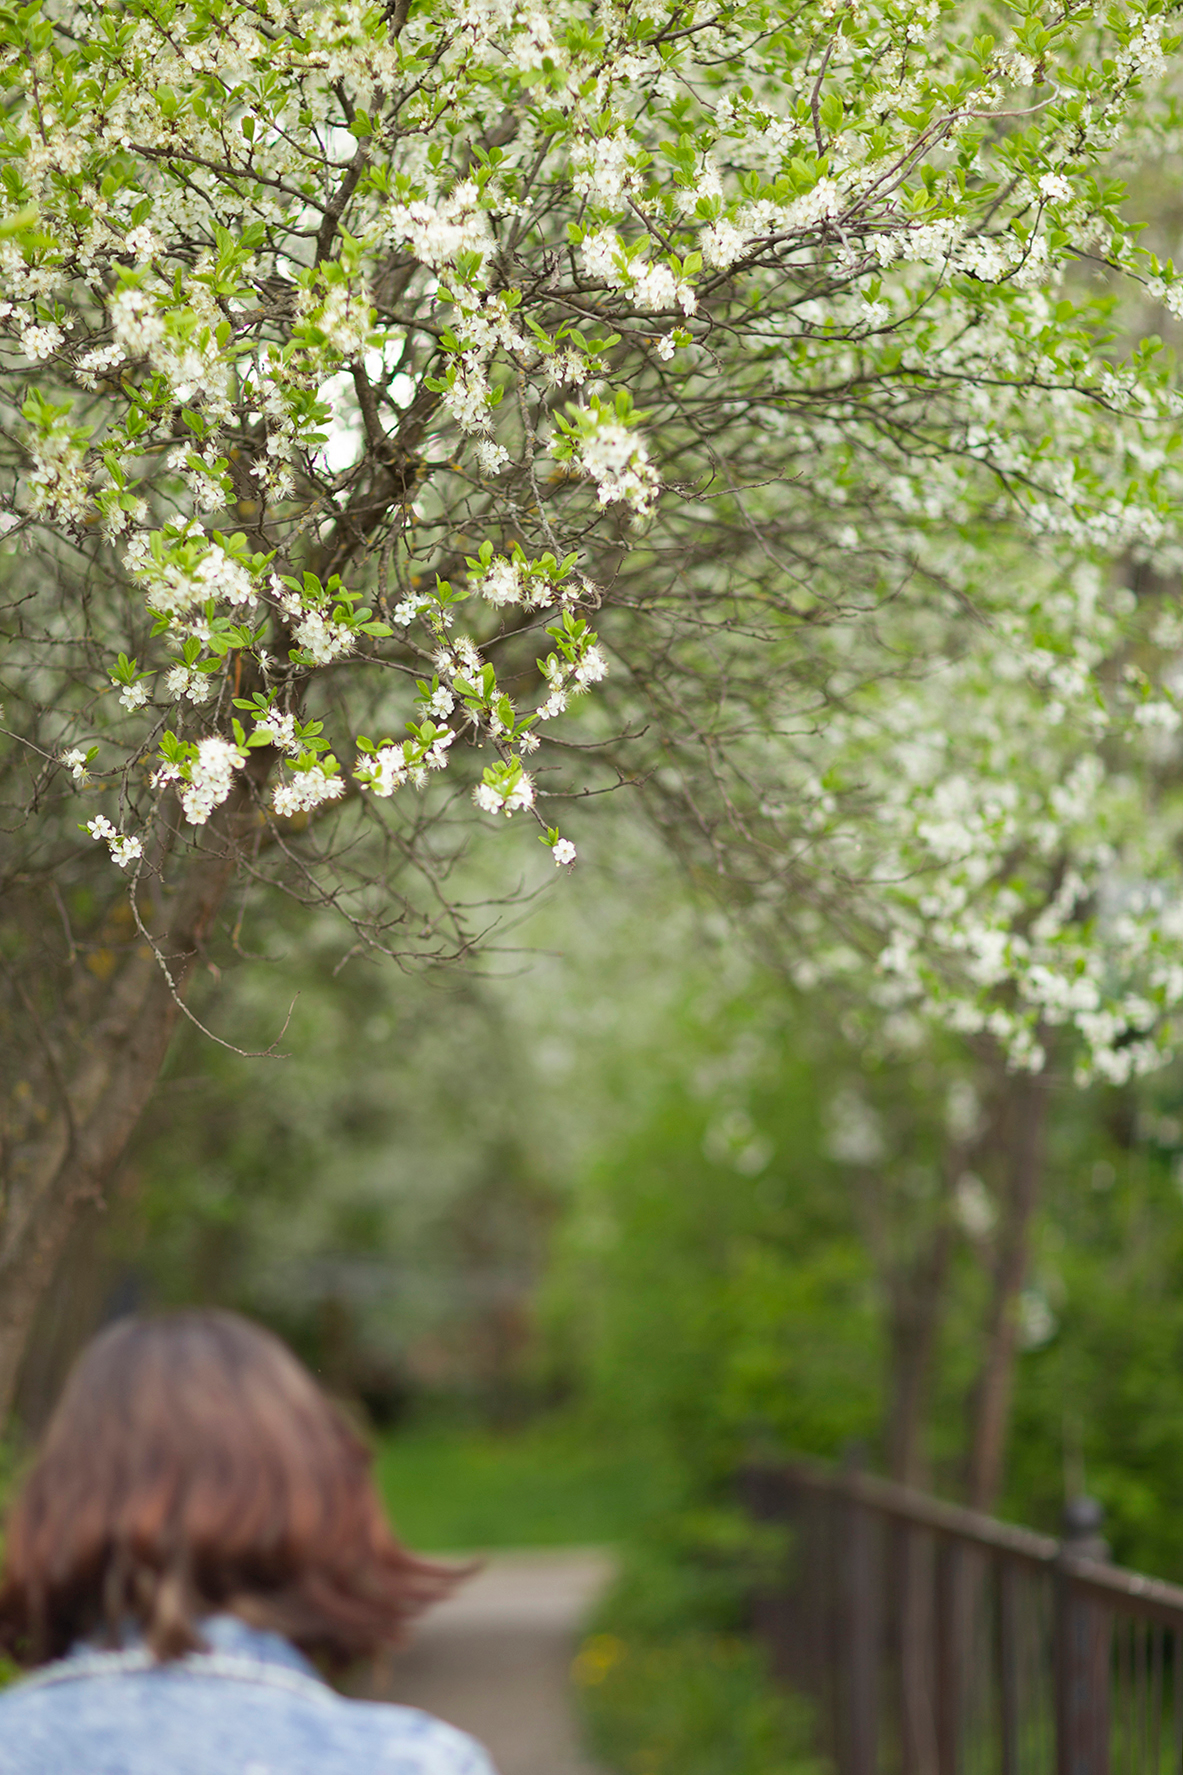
(1015, 871)
(205, 772)
(124, 847)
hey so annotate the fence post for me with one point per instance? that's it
(952, 1579)
(914, 1609)
(1082, 1651)
(862, 1725)
(1008, 1666)
(776, 1605)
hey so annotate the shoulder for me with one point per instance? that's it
(202, 1722)
(429, 1742)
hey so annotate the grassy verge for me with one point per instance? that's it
(670, 1684)
(691, 1703)
(555, 1483)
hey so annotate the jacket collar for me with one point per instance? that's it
(224, 1635)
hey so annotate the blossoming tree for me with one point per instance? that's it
(372, 377)
(986, 848)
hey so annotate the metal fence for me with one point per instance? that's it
(938, 1641)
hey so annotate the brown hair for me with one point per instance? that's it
(194, 1466)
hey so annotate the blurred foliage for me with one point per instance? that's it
(1099, 1406)
(717, 1308)
(718, 1274)
(553, 1483)
(670, 1684)
(373, 1193)
(692, 1703)
(383, 1187)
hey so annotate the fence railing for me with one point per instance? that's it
(938, 1641)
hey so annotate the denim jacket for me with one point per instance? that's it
(250, 1705)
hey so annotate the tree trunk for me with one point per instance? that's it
(87, 1283)
(1027, 1099)
(918, 1296)
(96, 1095)
(86, 1094)
(917, 1292)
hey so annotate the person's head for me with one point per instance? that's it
(193, 1466)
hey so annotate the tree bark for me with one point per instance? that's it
(917, 1293)
(1027, 1100)
(917, 1302)
(74, 1141)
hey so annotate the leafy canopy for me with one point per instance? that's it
(358, 361)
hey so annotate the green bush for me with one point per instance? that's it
(668, 1681)
(697, 1703)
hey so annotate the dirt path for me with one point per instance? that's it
(496, 1658)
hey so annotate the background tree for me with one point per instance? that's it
(991, 848)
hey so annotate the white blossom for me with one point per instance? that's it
(344, 314)
(436, 756)
(175, 589)
(181, 680)
(592, 668)
(618, 461)
(323, 638)
(467, 397)
(136, 321)
(58, 485)
(502, 583)
(437, 233)
(521, 795)
(722, 245)
(124, 848)
(280, 728)
(41, 342)
(211, 778)
(406, 611)
(491, 456)
(1055, 187)
(904, 480)
(385, 772)
(305, 791)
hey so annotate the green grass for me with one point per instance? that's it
(694, 1703)
(669, 1682)
(555, 1483)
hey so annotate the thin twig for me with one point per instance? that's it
(815, 96)
(243, 1053)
